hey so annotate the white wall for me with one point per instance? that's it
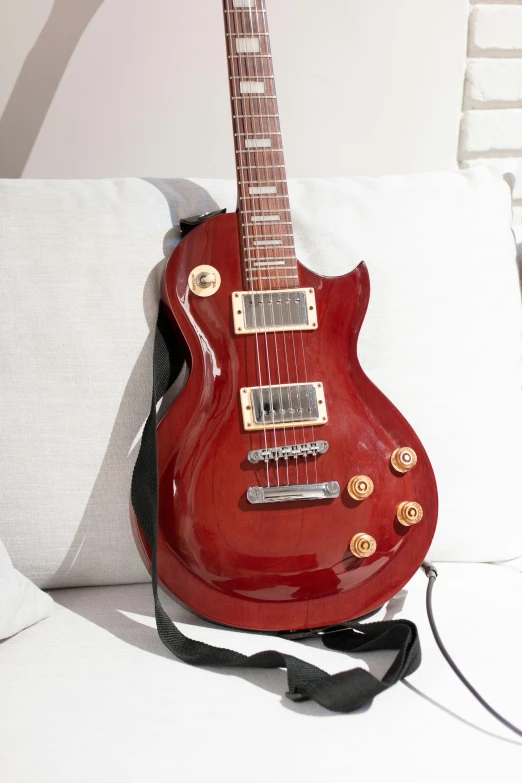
(365, 86)
(492, 121)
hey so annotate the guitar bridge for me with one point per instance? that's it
(294, 492)
(293, 451)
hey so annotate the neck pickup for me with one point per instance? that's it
(290, 310)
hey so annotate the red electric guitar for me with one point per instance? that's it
(292, 493)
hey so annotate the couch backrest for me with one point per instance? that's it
(80, 263)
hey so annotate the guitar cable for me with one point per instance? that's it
(431, 572)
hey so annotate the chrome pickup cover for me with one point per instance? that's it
(293, 451)
(274, 311)
(292, 492)
(284, 403)
(283, 406)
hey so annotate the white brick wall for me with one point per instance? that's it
(495, 28)
(491, 129)
(493, 83)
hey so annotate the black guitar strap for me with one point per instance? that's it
(341, 692)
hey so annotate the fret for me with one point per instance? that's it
(257, 182)
(273, 235)
(285, 259)
(255, 150)
(267, 264)
(272, 239)
(264, 166)
(271, 277)
(255, 96)
(249, 198)
(250, 54)
(238, 69)
(269, 258)
(257, 116)
(235, 35)
(254, 133)
(248, 211)
(251, 251)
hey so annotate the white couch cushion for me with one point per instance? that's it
(80, 263)
(21, 603)
(92, 694)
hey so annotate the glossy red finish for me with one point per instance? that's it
(279, 566)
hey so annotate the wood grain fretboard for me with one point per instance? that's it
(267, 242)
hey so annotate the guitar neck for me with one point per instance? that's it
(267, 242)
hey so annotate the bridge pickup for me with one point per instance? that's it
(295, 405)
(294, 492)
(289, 452)
(274, 311)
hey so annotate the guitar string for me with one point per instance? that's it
(232, 20)
(250, 269)
(248, 248)
(269, 172)
(292, 331)
(290, 321)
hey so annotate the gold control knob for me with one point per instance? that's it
(360, 487)
(409, 513)
(363, 545)
(403, 459)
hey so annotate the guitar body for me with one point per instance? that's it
(285, 565)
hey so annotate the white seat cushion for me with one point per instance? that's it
(21, 603)
(80, 264)
(92, 694)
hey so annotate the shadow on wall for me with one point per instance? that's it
(38, 81)
(98, 542)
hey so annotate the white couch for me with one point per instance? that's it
(90, 692)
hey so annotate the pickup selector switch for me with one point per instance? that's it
(204, 280)
(403, 459)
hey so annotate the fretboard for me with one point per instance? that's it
(267, 242)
